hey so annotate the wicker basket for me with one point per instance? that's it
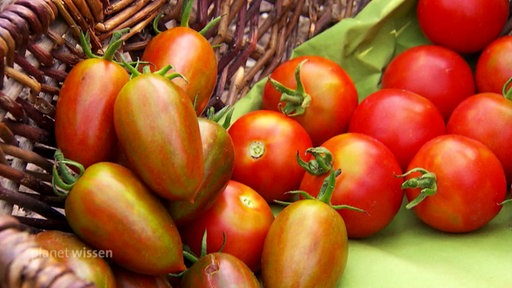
(38, 46)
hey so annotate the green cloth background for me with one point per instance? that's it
(407, 253)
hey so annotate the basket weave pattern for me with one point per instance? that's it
(39, 44)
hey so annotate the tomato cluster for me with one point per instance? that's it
(275, 196)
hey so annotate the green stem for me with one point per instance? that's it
(427, 182)
(190, 256)
(155, 23)
(295, 101)
(321, 162)
(225, 113)
(506, 91)
(185, 12)
(114, 45)
(62, 177)
(210, 25)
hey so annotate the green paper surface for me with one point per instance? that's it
(407, 253)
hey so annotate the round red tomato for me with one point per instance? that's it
(367, 181)
(436, 73)
(266, 144)
(401, 119)
(465, 26)
(469, 179)
(486, 117)
(329, 96)
(494, 65)
(240, 215)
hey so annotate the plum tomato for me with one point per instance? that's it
(84, 260)
(84, 126)
(240, 216)
(219, 157)
(191, 55)
(367, 181)
(159, 134)
(307, 244)
(321, 96)
(436, 73)
(129, 279)
(109, 208)
(465, 26)
(266, 144)
(455, 184)
(486, 117)
(401, 119)
(219, 270)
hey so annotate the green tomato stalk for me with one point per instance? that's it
(296, 101)
(186, 10)
(506, 90)
(114, 45)
(320, 165)
(63, 175)
(427, 182)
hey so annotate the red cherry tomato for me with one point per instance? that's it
(367, 181)
(436, 73)
(465, 26)
(266, 144)
(401, 119)
(494, 65)
(486, 117)
(333, 95)
(469, 188)
(240, 216)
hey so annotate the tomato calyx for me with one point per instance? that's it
(114, 45)
(192, 258)
(225, 114)
(427, 182)
(134, 72)
(295, 101)
(507, 89)
(321, 162)
(63, 174)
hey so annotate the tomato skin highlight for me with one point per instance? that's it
(219, 160)
(266, 143)
(486, 117)
(465, 26)
(84, 129)
(434, 72)
(219, 270)
(471, 184)
(368, 181)
(110, 209)
(241, 215)
(78, 256)
(333, 95)
(306, 246)
(401, 119)
(191, 55)
(159, 134)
